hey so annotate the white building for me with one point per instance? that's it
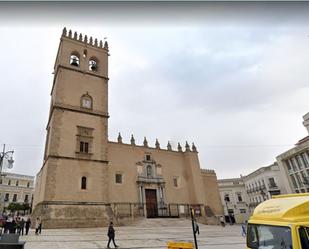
(294, 164)
(262, 184)
(15, 188)
(234, 199)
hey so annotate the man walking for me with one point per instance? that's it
(111, 235)
(28, 223)
(244, 229)
(22, 226)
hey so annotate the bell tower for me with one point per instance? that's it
(74, 170)
(79, 99)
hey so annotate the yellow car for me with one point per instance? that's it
(280, 223)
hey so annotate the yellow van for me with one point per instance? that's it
(280, 223)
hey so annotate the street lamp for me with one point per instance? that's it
(8, 156)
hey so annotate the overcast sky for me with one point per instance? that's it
(233, 79)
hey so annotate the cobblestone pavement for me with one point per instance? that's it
(149, 233)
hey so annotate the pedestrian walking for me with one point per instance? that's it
(22, 226)
(12, 227)
(28, 223)
(40, 226)
(196, 228)
(37, 225)
(6, 225)
(18, 225)
(244, 229)
(111, 235)
(2, 224)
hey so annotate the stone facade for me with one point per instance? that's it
(15, 188)
(87, 180)
(234, 200)
(294, 164)
(263, 183)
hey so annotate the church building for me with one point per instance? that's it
(87, 180)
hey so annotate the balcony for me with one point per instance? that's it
(273, 186)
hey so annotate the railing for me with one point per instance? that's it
(273, 186)
(256, 189)
(127, 210)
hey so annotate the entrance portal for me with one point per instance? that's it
(151, 203)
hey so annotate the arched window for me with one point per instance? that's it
(149, 171)
(28, 184)
(74, 60)
(86, 101)
(93, 65)
(84, 182)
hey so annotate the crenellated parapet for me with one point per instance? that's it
(84, 39)
(157, 146)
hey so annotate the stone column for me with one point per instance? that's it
(140, 187)
(163, 192)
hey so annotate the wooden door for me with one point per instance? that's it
(151, 203)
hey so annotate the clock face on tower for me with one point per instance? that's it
(86, 103)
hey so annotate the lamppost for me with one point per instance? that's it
(5, 155)
(8, 155)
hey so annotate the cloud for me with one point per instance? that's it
(237, 91)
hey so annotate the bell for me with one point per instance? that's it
(74, 62)
(93, 67)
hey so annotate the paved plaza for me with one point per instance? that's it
(149, 233)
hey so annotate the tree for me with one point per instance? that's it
(13, 206)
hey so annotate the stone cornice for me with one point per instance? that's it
(16, 188)
(75, 109)
(74, 158)
(293, 151)
(72, 203)
(149, 148)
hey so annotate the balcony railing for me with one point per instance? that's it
(273, 186)
(256, 189)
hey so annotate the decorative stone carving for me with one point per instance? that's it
(145, 142)
(179, 147)
(194, 147)
(64, 31)
(70, 34)
(132, 140)
(119, 138)
(169, 147)
(106, 45)
(187, 146)
(157, 144)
